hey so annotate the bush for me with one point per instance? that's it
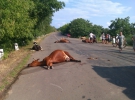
(129, 40)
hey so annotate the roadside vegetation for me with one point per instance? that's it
(22, 21)
(13, 65)
(81, 27)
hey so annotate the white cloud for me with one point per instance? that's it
(101, 7)
(108, 24)
(133, 18)
(88, 9)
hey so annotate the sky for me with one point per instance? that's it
(98, 12)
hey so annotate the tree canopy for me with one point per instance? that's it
(81, 27)
(120, 24)
(23, 20)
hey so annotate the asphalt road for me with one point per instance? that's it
(106, 75)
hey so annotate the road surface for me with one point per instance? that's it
(103, 74)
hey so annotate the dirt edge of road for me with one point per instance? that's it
(13, 65)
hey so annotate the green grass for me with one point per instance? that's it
(5, 55)
(13, 74)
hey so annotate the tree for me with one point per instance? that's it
(97, 30)
(22, 20)
(79, 27)
(120, 24)
(43, 12)
(15, 23)
(132, 25)
(64, 29)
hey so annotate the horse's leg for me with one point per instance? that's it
(49, 64)
(71, 58)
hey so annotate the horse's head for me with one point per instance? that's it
(34, 63)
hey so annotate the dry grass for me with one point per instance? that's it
(11, 66)
(14, 58)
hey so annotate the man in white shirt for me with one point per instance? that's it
(103, 38)
(91, 37)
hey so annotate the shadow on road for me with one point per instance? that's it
(123, 76)
(30, 70)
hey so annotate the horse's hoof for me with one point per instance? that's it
(51, 67)
(47, 68)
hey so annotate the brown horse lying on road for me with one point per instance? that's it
(86, 40)
(56, 56)
(63, 40)
(89, 41)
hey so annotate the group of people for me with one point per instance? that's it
(105, 38)
(120, 38)
(120, 41)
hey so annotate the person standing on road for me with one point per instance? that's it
(117, 40)
(113, 40)
(121, 38)
(107, 38)
(133, 38)
(103, 38)
(91, 37)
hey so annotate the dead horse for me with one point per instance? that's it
(56, 56)
(63, 40)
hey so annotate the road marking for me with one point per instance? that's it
(56, 37)
(56, 86)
